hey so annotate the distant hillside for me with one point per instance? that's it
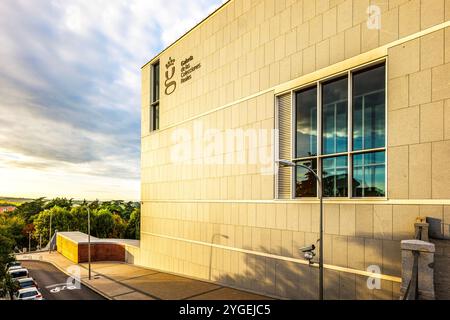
(4, 201)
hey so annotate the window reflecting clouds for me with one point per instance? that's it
(334, 116)
(369, 109)
(335, 177)
(369, 174)
(306, 117)
(306, 183)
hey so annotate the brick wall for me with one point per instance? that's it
(102, 252)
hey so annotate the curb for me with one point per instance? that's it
(65, 272)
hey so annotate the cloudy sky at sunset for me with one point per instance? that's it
(70, 91)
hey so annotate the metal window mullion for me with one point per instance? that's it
(340, 154)
(319, 136)
(371, 165)
(350, 136)
(364, 176)
(335, 177)
(386, 88)
(363, 122)
(367, 151)
(369, 93)
(335, 128)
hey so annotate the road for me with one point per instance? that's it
(52, 283)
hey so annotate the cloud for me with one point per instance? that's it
(70, 79)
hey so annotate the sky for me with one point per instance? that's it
(70, 91)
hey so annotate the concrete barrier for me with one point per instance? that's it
(425, 267)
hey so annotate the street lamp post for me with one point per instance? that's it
(89, 241)
(50, 234)
(286, 163)
(29, 241)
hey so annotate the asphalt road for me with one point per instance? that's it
(52, 283)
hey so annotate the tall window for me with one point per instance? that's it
(340, 134)
(306, 141)
(154, 106)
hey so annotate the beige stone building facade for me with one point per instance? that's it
(357, 89)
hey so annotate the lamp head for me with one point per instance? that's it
(286, 163)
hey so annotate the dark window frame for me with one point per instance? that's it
(155, 91)
(350, 153)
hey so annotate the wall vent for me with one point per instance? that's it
(284, 124)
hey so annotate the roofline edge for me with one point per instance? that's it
(186, 33)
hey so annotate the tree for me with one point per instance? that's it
(29, 210)
(133, 227)
(59, 202)
(61, 221)
(129, 207)
(7, 284)
(79, 219)
(102, 223)
(6, 248)
(117, 219)
(11, 227)
(114, 206)
(119, 227)
(94, 205)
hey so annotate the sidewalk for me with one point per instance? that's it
(121, 281)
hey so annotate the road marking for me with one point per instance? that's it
(56, 288)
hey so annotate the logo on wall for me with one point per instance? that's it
(170, 84)
(187, 70)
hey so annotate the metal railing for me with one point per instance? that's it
(412, 291)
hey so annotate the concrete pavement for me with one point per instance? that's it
(120, 281)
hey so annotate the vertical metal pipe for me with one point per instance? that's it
(319, 182)
(321, 242)
(320, 190)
